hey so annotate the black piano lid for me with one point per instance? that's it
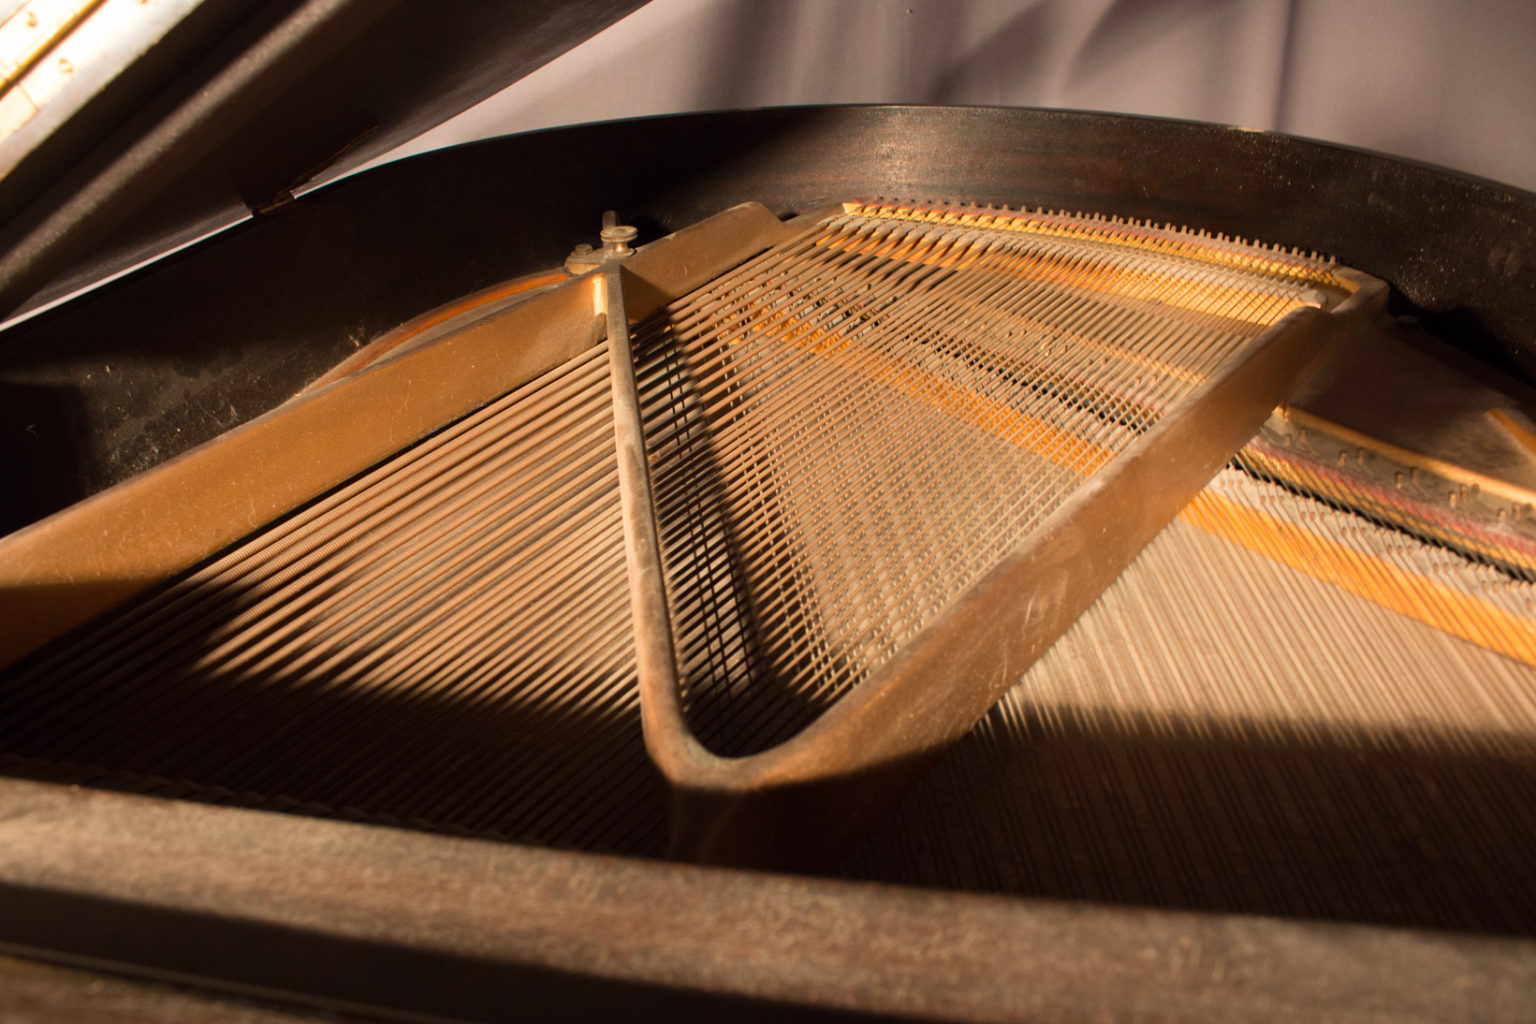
(167, 116)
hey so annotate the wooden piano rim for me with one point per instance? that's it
(364, 918)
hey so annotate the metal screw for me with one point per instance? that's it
(616, 237)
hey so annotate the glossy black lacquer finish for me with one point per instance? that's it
(111, 384)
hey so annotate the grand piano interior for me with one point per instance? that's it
(915, 561)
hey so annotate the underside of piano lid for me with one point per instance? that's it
(411, 611)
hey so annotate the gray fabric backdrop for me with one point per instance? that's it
(1451, 83)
